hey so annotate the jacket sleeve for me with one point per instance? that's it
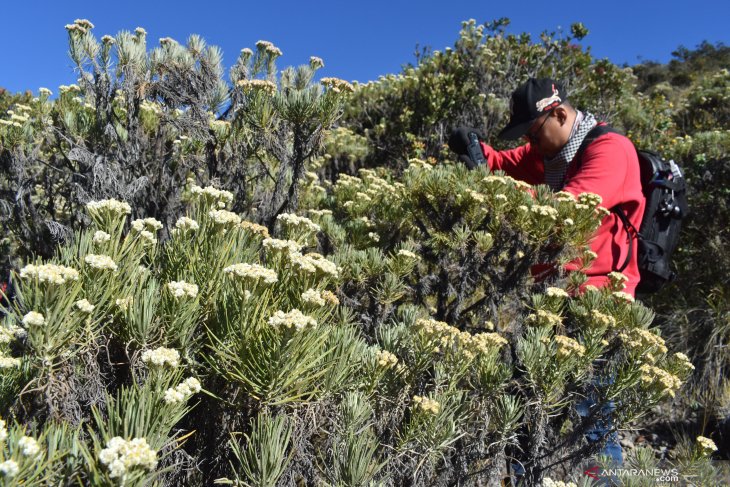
(603, 169)
(519, 163)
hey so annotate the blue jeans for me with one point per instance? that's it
(602, 426)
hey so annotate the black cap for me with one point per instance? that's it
(530, 100)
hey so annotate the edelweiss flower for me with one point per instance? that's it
(707, 446)
(224, 217)
(181, 288)
(33, 318)
(543, 317)
(185, 389)
(8, 362)
(292, 220)
(337, 85)
(9, 468)
(161, 356)
(293, 319)
(101, 237)
(257, 85)
(623, 296)
(101, 262)
(253, 272)
(386, 359)
(557, 292)
(85, 306)
(184, 223)
(124, 303)
(149, 224)
(255, 228)
(427, 405)
(568, 347)
(121, 455)
(286, 246)
(312, 296)
(29, 447)
(109, 206)
(49, 273)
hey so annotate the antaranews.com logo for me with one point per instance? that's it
(660, 475)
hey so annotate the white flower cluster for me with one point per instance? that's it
(74, 88)
(124, 303)
(292, 220)
(655, 377)
(683, 362)
(568, 347)
(602, 319)
(618, 280)
(565, 197)
(101, 237)
(33, 318)
(590, 199)
(275, 244)
(386, 359)
(220, 197)
(643, 341)
(9, 332)
(556, 292)
(184, 223)
(29, 447)
(622, 296)
(184, 390)
(8, 362)
(253, 272)
(312, 296)
(161, 356)
(407, 253)
(253, 85)
(181, 288)
(268, 48)
(707, 446)
(121, 455)
(149, 224)
(255, 228)
(50, 273)
(314, 262)
(109, 206)
(293, 319)
(544, 210)
(547, 482)
(544, 318)
(85, 306)
(495, 179)
(9, 468)
(101, 262)
(316, 62)
(427, 405)
(337, 85)
(224, 217)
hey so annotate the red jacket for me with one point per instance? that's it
(609, 168)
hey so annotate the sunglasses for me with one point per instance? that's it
(534, 136)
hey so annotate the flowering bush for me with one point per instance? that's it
(303, 325)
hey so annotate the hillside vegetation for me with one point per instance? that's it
(267, 278)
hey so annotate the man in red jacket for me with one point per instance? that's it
(609, 167)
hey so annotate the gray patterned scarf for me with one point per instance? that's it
(556, 167)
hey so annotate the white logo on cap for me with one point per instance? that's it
(550, 102)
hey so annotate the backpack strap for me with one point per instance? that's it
(618, 211)
(593, 134)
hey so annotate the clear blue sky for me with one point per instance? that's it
(358, 40)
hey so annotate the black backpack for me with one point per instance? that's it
(666, 205)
